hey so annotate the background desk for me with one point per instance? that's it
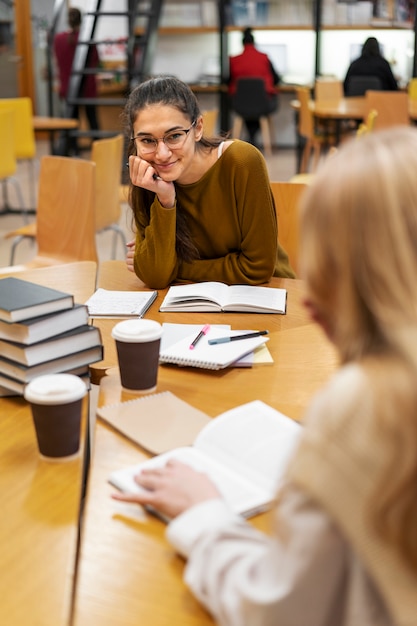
(52, 125)
(128, 574)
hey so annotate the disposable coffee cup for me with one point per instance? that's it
(56, 403)
(138, 342)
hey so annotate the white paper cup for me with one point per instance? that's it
(56, 403)
(138, 342)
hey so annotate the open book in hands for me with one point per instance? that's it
(215, 296)
(244, 451)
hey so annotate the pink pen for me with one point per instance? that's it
(202, 332)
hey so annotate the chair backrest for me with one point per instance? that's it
(359, 85)
(305, 116)
(326, 89)
(107, 156)
(66, 225)
(8, 164)
(24, 135)
(412, 89)
(251, 99)
(392, 108)
(210, 122)
(287, 198)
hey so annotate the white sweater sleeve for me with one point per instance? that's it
(245, 577)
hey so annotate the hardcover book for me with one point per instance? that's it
(21, 300)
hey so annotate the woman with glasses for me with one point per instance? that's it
(203, 207)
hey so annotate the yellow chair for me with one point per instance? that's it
(210, 122)
(65, 227)
(24, 135)
(412, 89)
(287, 198)
(368, 126)
(8, 164)
(107, 155)
(392, 108)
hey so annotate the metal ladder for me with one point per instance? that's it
(140, 49)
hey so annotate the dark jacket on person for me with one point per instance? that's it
(371, 65)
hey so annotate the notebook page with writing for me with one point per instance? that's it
(119, 304)
(208, 356)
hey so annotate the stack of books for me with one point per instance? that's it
(42, 332)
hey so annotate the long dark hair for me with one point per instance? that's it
(170, 91)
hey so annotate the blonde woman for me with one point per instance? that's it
(344, 550)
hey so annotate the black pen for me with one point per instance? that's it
(258, 333)
(201, 334)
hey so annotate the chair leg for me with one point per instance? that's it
(266, 134)
(305, 157)
(22, 209)
(15, 243)
(237, 127)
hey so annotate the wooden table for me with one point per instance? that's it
(128, 574)
(52, 125)
(41, 500)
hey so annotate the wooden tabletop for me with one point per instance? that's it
(347, 108)
(38, 524)
(53, 123)
(128, 574)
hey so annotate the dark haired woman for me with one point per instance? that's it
(203, 207)
(372, 63)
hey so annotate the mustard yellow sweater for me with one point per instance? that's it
(232, 221)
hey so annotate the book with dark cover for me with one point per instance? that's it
(74, 340)
(21, 300)
(44, 326)
(24, 373)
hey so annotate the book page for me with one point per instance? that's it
(241, 496)
(254, 439)
(106, 303)
(208, 291)
(245, 297)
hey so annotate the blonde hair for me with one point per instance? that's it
(359, 261)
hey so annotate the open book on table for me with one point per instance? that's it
(245, 451)
(215, 296)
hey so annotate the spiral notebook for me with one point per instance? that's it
(214, 357)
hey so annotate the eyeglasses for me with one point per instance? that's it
(173, 140)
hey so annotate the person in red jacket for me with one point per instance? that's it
(250, 64)
(65, 44)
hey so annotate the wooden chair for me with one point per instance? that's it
(287, 198)
(251, 102)
(210, 122)
(392, 108)
(326, 89)
(107, 155)
(8, 163)
(24, 135)
(65, 226)
(314, 140)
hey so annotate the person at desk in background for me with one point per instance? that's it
(203, 207)
(253, 64)
(64, 48)
(344, 547)
(371, 63)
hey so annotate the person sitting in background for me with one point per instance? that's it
(371, 63)
(343, 548)
(253, 64)
(203, 207)
(65, 44)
